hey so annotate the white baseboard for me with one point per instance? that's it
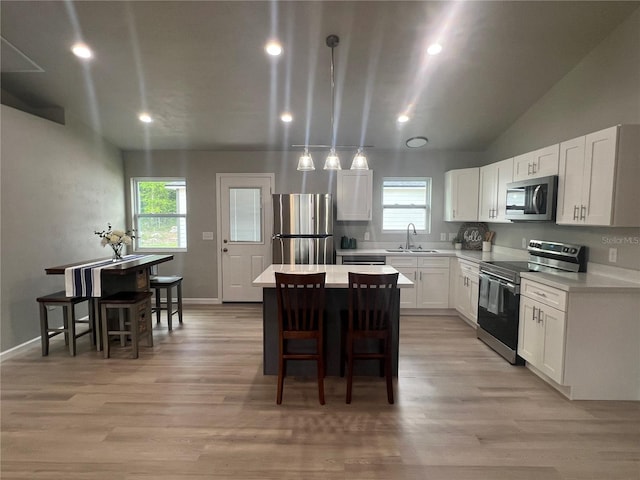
(201, 301)
(19, 349)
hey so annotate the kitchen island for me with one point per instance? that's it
(336, 308)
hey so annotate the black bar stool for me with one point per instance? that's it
(136, 323)
(59, 299)
(159, 283)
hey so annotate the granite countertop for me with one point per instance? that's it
(337, 275)
(583, 282)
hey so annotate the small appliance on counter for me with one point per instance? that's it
(499, 298)
(303, 228)
(347, 243)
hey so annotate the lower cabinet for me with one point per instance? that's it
(466, 283)
(541, 337)
(430, 276)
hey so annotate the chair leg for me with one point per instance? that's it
(148, 321)
(121, 318)
(389, 373)
(65, 325)
(349, 367)
(157, 292)
(280, 380)
(320, 372)
(105, 331)
(44, 329)
(169, 309)
(71, 328)
(180, 302)
(134, 328)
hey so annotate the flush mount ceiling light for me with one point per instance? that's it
(332, 162)
(416, 142)
(273, 48)
(403, 118)
(81, 50)
(145, 118)
(434, 49)
(286, 117)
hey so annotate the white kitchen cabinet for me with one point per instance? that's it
(431, 281)
(354, 195)
(541, 337)
(586, 343)
(461, 195)
(598, 178)
(539, 163)
(467, 289)
(493, 191)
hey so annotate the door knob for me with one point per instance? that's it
(225, 250)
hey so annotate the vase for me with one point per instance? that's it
(117, 252)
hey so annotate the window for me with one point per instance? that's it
(404, 201)
(245, 215)
(160, 213)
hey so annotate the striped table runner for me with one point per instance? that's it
(85, 280)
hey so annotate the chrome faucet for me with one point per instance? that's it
(409, 245)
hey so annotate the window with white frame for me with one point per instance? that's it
(405, 201)
(160, 213)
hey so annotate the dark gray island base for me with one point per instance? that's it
(335, 307)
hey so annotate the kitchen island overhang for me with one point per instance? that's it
(336, 312)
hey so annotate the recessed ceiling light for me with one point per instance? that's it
(273, 48)
(145, 118)
(286, 117)
(434, 49)
(81, 50)
(403, 118)
(416, 142)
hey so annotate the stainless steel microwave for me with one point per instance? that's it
(532, 200)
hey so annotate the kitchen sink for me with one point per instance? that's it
(404, 250)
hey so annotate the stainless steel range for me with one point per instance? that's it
(499, 299)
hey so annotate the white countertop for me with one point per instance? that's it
(471, 255)
(583, 282)
(337, 275)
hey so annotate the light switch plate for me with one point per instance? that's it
(613, 255)
(366, 236)
(443, 237)
(207, 235)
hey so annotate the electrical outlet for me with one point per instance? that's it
(524, 242)
(613, 255)
(452, 236)
(443, 237)
(366, 236)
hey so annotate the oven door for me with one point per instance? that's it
(498, 309)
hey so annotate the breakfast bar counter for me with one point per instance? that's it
(336, 308)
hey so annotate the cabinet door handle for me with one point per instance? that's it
(540, 314)
(533, 316)
(583, 212)
(575, 212)
(421, 276)
(528, 169)
(533, 167)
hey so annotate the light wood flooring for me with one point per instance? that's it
(197, 406)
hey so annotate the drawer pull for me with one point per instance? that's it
(541, 294)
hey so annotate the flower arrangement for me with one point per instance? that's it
(116, 239)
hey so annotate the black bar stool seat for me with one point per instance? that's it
(60, 299)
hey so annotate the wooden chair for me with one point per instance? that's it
(370, 301)
(59, 299)
(300, 317)
(159, 283)
(136, 323)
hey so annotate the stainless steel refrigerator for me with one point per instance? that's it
(303, 228)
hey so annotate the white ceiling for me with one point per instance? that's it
(200, 69)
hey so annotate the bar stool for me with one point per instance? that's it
(300, 317)
(59, 299)
(136, 323)
(159, 283)
(370, 298)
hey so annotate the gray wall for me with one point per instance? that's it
(199, 264)
(601, 91)
(59, 183)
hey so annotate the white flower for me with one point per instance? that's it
(104, 241)
(119, 233)
(114, 239)
(126, 239)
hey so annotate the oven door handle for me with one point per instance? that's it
(508, 285)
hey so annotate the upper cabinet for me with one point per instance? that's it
(354, 194)
(493, 191)
(539, 163)
(599, 178)
(461, 195)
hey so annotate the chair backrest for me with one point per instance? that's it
(300, 301)
(370, 297)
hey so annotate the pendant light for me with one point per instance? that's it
(305, 162)
(359, 161)
(332, 162)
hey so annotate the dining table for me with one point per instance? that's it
(99, 278)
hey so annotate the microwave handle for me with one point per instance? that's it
(536, 198)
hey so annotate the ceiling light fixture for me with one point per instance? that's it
(81, 50)
(434, 49)
(145, 118)
(403, 118)
(273, 48)
(416, 142)
(286, 117)
(332, 162)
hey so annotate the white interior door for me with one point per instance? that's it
(244, 233)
